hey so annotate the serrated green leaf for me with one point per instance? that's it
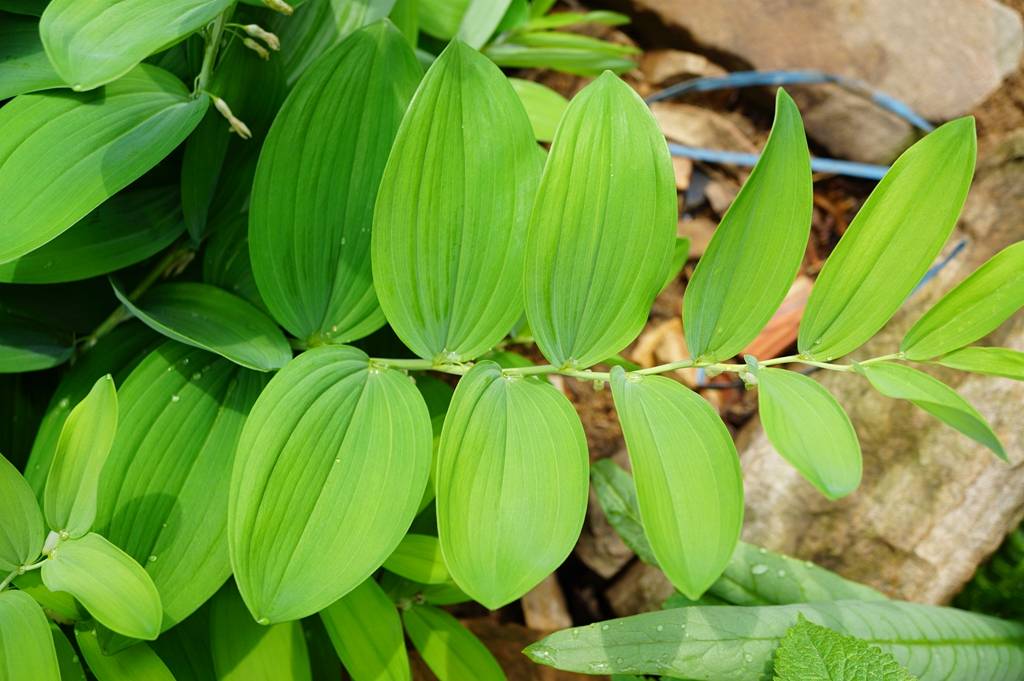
(67, 658)
(366, 632)
(511, 481)
(137, 663)
(544, 107)
(246, 651)
(23, 63)
(95, 145)
(253, 89)
(418, 558)
(450, 219)
(22, 532)
(982, 360)
(113, 588)
(811, 652)
(891, 242)
(756, 250)
(607, 198)
(310, 240)
(126, 229)
(72, 485)
(973, 309)
(572, 53)
(335, 454)
(26, 645)
(116, 353)
(687, 476)
(479, 21)
(451, 651)
(96, 42)
(164, 489)
(318, 26)
(736, 644)
(26, 345)
(210, 318)
(810, 430)
(935, 397)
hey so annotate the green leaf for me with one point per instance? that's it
(126, 229)
(58, 605)
(935, 397)
(113, 588)
(21, 538)
(973, 309)
(137, 663)
(67, 657)
(418, 558)
(366, 632)
(93, 43)
(26, 345)
(616, 493)
(562, 19)
(441, 18)
(680, 254)
(23, 63)
(226, 262)
(607, 197)
(451, 214)
(95, 144)
(479, 21)
(210, 318)
(246, 651)
(572, 53)
(810, 430)
(736, 644)
(544, 107)
(164, 488)
(185, 648)
(116, 353)
(405, 16)
(756, 251)
(811, 652)
(451, 651)
(891, 242)
(73, 482)
(687, 476)
(318, 26)
(992, 361)
(337, 453)
(511, 482)
(254, 89)
(26, 645)
(28, 7)
(310, 240)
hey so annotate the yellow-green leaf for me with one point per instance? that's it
(451, 215)
(137, 663)
(22, 532)
(26, 646)
(687, 476)
(982, 360)
(602, 228)
(366, 632)
(451, 651)
(544, 107)
(418, 558)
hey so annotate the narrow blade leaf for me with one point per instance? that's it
(992, 361)
(451, 651)
(544, 107)
(21, 538)
(687, 477)
(137, 663)
(891, 242)
(366, 632)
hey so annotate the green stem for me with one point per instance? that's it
(18, 571)
(213, 36)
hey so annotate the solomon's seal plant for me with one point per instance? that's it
(354, 215)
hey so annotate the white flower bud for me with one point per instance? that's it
(257, 48)
(237, 126)
(279, 6)
(254, 31)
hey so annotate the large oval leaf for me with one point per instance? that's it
(607, 198)
(737, 644)
(95, 42)
(23, 532)
(366, 632)
(973, 309)
(94, 145)
(72, 485)
(26, 646)
(511, 482)
(335, 455)
(687, 477)
(310, 239)
(756, 250)
(451, 214)
(137, 663)
(112, 587)
(810, 430)
(891, 242)
(450, 650)
(210, 318)
(246, 651)
(124, 230)
(163, 494)
(23, 63)
(935, 397)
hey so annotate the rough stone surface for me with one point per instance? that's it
(932, 505)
